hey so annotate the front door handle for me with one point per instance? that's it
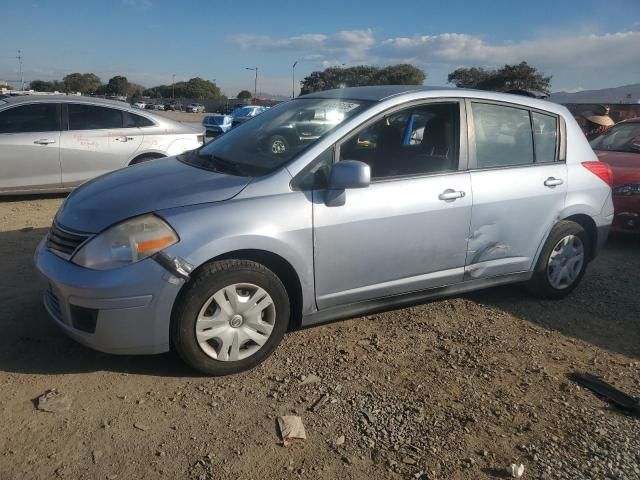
(450, 195)
(44, 141)
(553, 182)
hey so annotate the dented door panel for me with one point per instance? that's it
(512, 210)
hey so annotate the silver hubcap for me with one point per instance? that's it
(278, 146)
(565, 262)
(235, 322)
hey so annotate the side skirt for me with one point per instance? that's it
(389, 303)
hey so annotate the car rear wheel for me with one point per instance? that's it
(278, 145)
(231, 317)
(562, 262)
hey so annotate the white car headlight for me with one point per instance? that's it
(126, 243)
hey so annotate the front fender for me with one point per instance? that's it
(278, 224)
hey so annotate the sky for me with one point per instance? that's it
(583, 44)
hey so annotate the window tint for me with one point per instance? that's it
(545, 134)
(503, 136)
(131, 120)
(414, 141)
(92, 117)
(37, 117)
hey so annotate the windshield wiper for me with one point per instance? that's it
(223, 165)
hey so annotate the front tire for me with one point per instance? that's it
(231, 317)
(562, 262)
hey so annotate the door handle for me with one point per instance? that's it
(450, 195)
(553, 182)
(44, 141)
(122, 139)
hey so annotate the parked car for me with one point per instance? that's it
(158, 106)
(140, 105)
(220, 250)
(55, 143)
(245, 113)
(216, 124)
(619, 147)
(174, 107)
(150, 106)
(195, 108)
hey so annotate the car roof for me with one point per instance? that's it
(381, 93)
(18, 99)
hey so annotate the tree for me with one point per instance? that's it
(42, 86)
(362, 75)
(244, 95)
(118, 85)
(201, 89)
(86, 83)
(510, 77)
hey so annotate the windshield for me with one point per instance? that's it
(624, 137)
(274, 137)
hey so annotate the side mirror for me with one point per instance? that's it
(349, 174)
(346, 174)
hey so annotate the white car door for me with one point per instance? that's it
(96, 141)
(29, 147)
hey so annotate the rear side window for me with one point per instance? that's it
(503, 136)
(131, 120)
(545, 137)
(35, 117)
(92, 117)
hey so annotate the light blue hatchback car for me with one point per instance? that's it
(404, 194)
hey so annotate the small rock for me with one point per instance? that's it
(340, 440)
(54, 402)
(516, 471)
(291, 427)
(319, 403)
(409, 461)
(346, 460)
(96, 455)
(310, 379)
(141, 426)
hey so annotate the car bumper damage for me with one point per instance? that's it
(108, 311)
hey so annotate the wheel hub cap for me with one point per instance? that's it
(565, 262)
(235, 322)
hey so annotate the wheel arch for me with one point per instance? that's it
(146, 156)
(278, 265)
(589, 225)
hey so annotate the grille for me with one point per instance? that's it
(65, 242)
(51, 299)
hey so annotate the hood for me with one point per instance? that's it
(144, 188)
(624, 165)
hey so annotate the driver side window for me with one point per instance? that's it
(416, 141)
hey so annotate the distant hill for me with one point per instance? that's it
(624, 94)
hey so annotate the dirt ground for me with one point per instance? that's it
(453, 389)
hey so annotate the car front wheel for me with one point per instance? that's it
(231, 317)
(562, 262)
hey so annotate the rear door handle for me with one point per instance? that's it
(449, 195)
(553, 182)
(44, 141)
(122, 139)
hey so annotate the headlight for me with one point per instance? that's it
(629, 189)
(125, 243)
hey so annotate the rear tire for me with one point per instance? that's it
(146, 157)
(562, 262)
(278, 145)
(231, 317)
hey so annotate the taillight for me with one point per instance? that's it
(601, 170)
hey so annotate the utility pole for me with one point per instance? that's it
(293, 79)
(255, 83)
(20, 57)
(173, 86)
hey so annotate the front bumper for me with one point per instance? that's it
(124, 311)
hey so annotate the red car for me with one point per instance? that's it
(620, 148)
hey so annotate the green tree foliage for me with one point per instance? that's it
(244, 95)
(46, 86)
(118, 85)
(197, 88)
(86, 83)
(362, 75)
(521, 76)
